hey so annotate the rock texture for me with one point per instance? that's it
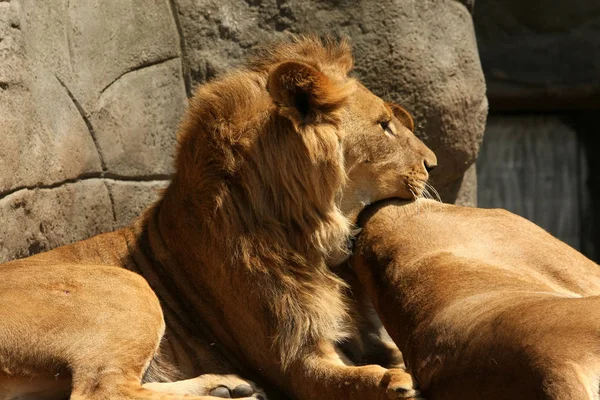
(40, 219)
(130, 199)
(90, 97)
(540, 55)
(136, 119)
(91, 93)
(421, 54)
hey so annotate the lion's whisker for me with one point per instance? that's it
(436, 194)
(425, 194)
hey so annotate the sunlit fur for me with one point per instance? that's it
(483, 303)
(274, 162)
(260, 184)
(261, 189)
(248, 170)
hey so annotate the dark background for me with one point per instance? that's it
(541, 60)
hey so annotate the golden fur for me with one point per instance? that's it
(483, 304)
(274, 163)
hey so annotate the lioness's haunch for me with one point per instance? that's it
(274, 163)
(483, 304)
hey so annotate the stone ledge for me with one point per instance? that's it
(39, 219)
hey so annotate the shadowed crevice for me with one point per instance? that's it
(185, 70)
(137, 68)
(102, 176)
(85, 120)
(112, 203)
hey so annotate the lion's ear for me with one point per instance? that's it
(303, 93)
(403, 116)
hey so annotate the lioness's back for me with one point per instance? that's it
(495, 237)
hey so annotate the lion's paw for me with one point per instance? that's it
(400, 385)
(223, 386)
(233, 387)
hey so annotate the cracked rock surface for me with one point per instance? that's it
(91, 94)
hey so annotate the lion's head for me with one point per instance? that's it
(383, 158)
(280, 156)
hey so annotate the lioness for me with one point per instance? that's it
(483, 303)
(274, 163)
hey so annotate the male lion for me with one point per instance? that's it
(274, 163)
(483, 304)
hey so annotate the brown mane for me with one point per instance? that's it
(262, 189)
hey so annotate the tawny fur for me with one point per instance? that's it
(274, 163)
(483, 303)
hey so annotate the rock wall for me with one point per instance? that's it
(540, 55)
(91, 94)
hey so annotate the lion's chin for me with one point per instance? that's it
(406, 195)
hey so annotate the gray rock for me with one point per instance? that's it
(90, 45)
(420, 54)
(43, 138)
(35, 220)
(41, 219)
(135, 120)
(470, 4)
(540, 55)
(86, 91)
(131, 198)
(463, 190)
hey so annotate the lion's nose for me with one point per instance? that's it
(429, 158)
(430, 163)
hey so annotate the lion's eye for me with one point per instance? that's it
(385, 125)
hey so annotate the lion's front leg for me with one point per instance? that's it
(217, 385)
(323, 375)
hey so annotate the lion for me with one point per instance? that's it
(482, 303)
(232, 272)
